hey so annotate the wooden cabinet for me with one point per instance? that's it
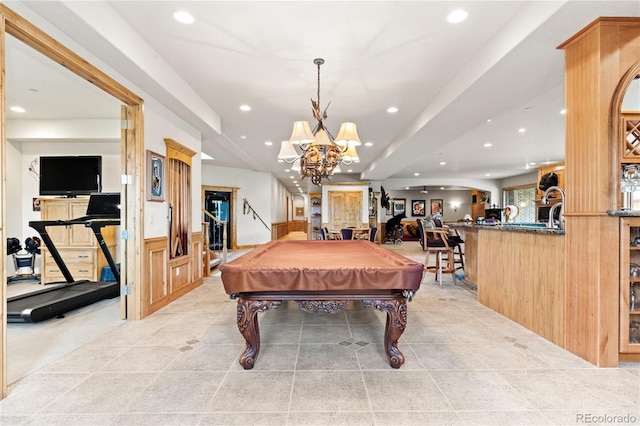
(315, 213)
(558, 169)
(345, 209)
(630, 285)
(77, 245)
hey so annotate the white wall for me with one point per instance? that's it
(520, 180)
(23, 186)
(280, 199)
(300, 201)
(158, 125)
(461, 198)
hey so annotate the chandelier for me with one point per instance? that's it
(321, 154)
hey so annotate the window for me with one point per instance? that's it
(523, 197)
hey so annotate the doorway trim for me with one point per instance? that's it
(131, 151)
(232, 207)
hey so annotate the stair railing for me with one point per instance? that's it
(223, 225)
(247, 209)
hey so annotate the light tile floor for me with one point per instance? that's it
(465, 365)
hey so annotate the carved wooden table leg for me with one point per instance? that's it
(248, 325)
(396, 310)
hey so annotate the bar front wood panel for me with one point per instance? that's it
(470, 237)
(521, 276)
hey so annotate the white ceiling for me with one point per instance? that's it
(447, 80)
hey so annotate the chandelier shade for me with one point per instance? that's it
(301, 133)
(287, 152)
(321, 154)
(348, 134)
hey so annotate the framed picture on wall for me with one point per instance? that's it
(299, 211)
(417, 208)
(399, 206)
(155, 176)
(436, 206)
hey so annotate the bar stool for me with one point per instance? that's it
(436, 242)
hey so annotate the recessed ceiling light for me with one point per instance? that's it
(280, 161)
(205, 156)
(532, 164)
(443, 163)
(457, 16)
(245, 108)
(488, 120)
(392, 109)
(368, 144)
(406, 187)
(350, 171)
(487, 174)
(442, 187)
(416, 174)
(563, 111)
(287, 170)
(268, 143)
(183, 17)
(522, 130)
(295, 181)
(243, 137)
(18, 109)
(487, 145)
(291, 177)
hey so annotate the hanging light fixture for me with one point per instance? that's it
(321, 152)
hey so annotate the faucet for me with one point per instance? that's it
(545, 200)
(552, 210)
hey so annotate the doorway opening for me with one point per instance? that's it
(218, 203)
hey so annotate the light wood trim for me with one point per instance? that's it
(178, 151)
(154, 288)
(470, 237)
(35, 38)
(625, 262)
(521, 276)
(3, 210)
(232, 208)
(279, 230)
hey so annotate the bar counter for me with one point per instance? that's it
(519, 272)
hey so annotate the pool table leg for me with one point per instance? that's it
(248, 325)
(396, 310)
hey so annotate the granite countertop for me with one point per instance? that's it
(623, 213)
(513, 228)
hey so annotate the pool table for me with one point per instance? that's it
(321, 276)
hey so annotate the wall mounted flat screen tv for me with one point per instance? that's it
(70, 175)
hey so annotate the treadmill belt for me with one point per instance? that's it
(52, 302)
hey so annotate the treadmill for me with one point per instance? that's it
(103, 210)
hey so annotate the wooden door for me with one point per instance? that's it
(345, 209)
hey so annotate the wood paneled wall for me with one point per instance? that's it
(595, 61)
(166, 280)
(521, 276)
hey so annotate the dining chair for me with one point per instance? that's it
(347, 233)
